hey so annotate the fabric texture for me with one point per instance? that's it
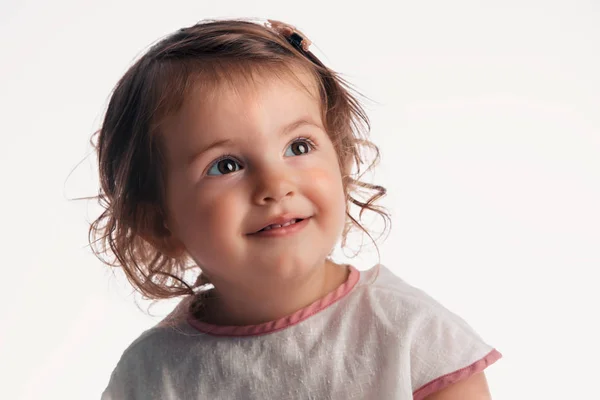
(375, 337)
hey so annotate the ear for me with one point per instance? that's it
(167, 244)
(157, 233)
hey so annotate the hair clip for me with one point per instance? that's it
(293, 36)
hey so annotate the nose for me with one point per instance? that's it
(273, 184)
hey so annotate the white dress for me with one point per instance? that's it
(374, 337)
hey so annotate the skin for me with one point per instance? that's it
(210, 213)
(474, 387)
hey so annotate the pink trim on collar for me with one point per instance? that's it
(284, 322)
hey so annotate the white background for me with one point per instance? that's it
(487, 118)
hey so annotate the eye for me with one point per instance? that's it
(224, 165)
(300, 146)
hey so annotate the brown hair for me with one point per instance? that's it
(131, 162)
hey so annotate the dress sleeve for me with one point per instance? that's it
(118, 386)
(127, 377)
(445, 349)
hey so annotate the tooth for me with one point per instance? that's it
(273, 226)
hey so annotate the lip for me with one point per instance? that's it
(283, 231)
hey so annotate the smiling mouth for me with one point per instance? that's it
(277, 226)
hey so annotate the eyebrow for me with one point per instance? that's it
(284, 132)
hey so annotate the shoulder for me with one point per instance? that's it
(407, 304)
(169, 337)
(443, 349)
(384, 282)
(145, 346)
(124, 379)
(142, 365)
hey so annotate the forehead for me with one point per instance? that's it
(248, 92)
(241, 106)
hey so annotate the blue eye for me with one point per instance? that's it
(224, 165)
(300, 147)
(227, 164)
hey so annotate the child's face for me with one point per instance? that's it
(213, 211)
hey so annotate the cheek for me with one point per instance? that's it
(326, 186)
(325, 180)
(209, 217)
(222, 213)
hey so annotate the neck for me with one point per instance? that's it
(233, 306)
